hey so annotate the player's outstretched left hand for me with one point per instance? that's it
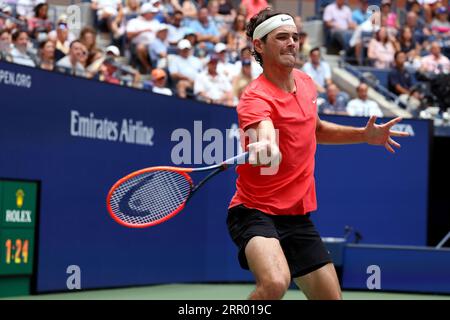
(381, 134)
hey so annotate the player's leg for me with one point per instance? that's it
(269, 266)
(308, 258)
(321, 284)
(256, 237)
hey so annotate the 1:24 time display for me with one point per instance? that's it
(18, 252)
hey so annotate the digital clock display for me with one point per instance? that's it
(16, 251)
(17, 227)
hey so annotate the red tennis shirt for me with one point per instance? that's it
(291, 191)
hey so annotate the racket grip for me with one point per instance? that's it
(239, 159)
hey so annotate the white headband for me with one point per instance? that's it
(271, 24)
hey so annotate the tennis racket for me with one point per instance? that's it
(153, 195)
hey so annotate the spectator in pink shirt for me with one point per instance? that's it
(435, 62)
(382, 49)
(253, 7)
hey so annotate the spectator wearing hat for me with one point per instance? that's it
(20, 53)
(362, 106)
(224, 66)
(158, 48)
(213, 87)
(114, 72)
(318, 70)
(141, 32)
(207, 32)
(72, 62)
(242, 80)
(184, 67)
(158, 5)
(159, 79)
(440, 24)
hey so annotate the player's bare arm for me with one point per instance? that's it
(374, 134)
(263, 146)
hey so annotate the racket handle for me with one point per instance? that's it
(239, 159)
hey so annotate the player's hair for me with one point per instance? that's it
(255, 21)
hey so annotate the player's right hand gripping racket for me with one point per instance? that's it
(153, 195)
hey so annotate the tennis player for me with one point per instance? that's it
(269, 215)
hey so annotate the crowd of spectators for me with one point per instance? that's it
(411, 43)
(198, 49)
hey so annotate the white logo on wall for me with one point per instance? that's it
(74, 280)
(374, 280)
(127, 130)
(192, 145)
(73, 17)
(11, 78)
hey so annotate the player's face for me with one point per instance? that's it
(281, 47)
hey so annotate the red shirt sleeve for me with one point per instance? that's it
(252, 108)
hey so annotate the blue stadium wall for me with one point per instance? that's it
(381, 195)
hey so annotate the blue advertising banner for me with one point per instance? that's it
(396, 268)
(77, 137)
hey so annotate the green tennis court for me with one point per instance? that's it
(211, 292)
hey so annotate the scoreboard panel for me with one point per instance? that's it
(18, 201)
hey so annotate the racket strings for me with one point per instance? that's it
(150, 196)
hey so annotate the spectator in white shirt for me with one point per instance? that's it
(105, 10)
(338, 18)
(362, 106)
(19, 53)
(158, 48)
(184, 68)
(318, 70)
(213, 87)
(72, 62)
(224, 66)
(176, 29)
(141, 32)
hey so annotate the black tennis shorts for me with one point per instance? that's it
(299, 239)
